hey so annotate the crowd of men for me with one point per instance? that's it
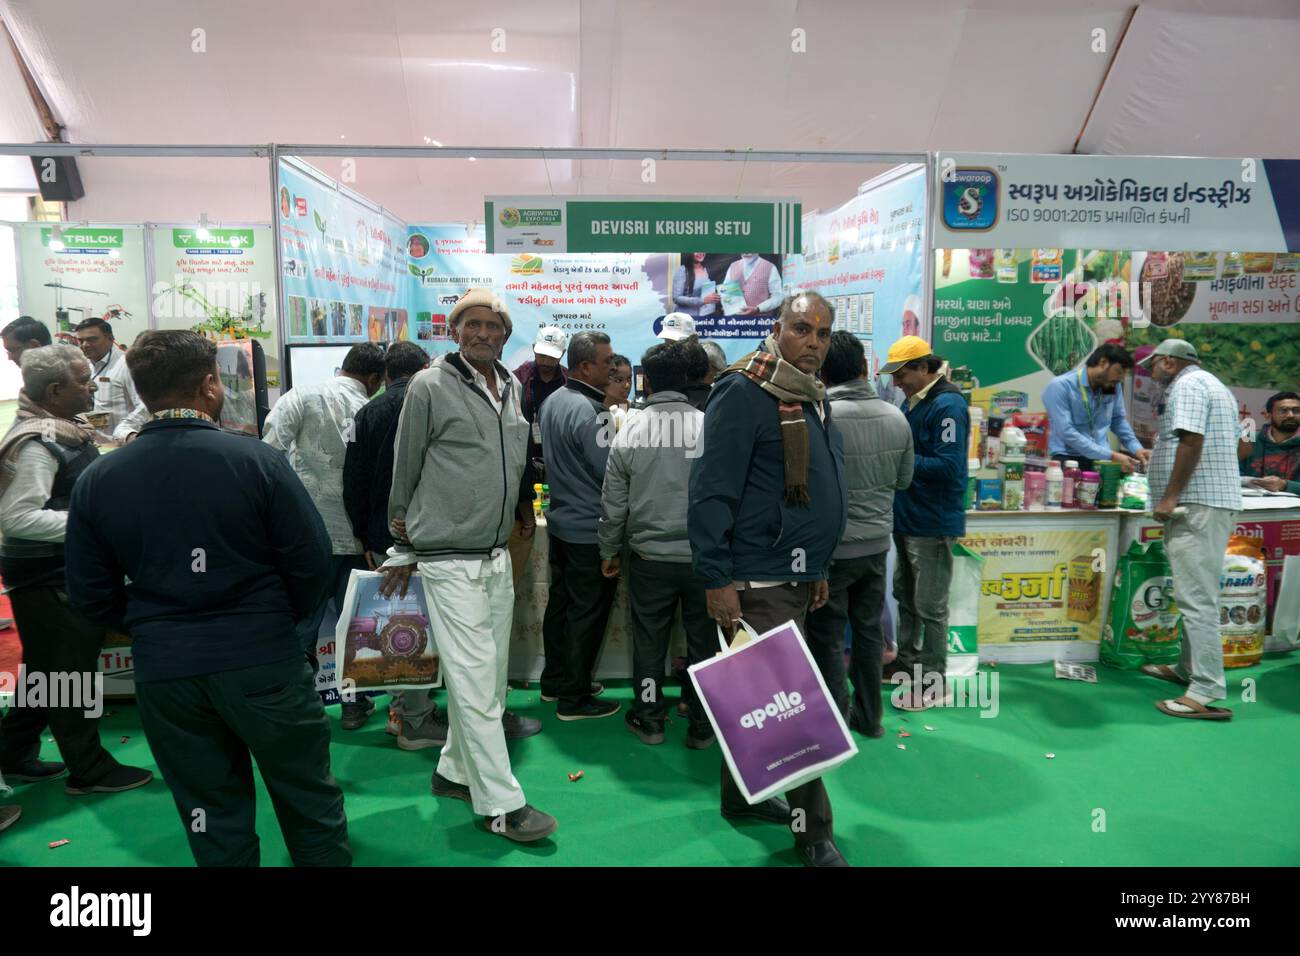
(785, 485)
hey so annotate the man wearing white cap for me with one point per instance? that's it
(1195, 494)
(677, 326)
(538, 380)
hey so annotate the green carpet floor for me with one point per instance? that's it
(974, 791)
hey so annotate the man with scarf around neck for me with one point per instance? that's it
(206, 548)
(42, 457)
(768, 504)
(928, 516)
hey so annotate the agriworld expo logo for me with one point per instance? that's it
(970, 199)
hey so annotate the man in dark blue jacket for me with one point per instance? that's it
(768, 504)
(928, 516)
(224, 552)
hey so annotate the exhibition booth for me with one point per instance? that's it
(331, 267)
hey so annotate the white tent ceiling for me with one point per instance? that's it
(1190, 77)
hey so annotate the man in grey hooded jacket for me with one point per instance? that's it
(877, 462)
(643, 505)
(458, 462)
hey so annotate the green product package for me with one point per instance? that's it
(964, 611)
(1144, 625)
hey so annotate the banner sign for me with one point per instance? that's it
(99, 272)
(629, 224)
(222, 286)
(868, 258)
(343, 261)
(1128, 202)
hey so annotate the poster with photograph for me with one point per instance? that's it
(384, 643)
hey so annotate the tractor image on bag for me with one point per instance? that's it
(397, 630)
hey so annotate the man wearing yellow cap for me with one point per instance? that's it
(928, 516)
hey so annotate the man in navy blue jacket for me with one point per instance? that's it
(768, 504)
(928, 516)
(205, 547)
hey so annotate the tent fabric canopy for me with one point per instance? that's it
(1191, 77)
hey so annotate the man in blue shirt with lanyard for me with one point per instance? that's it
(1086, 403)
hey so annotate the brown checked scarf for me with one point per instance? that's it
(32, 421)
(791, 388)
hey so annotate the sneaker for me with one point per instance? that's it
(700, 740)
(597, 688)
(523, 825)
(517, 728)
(432, 732)
(589, 709)
(9, 816)
(442, 787)
(34, 771)
(647, 729)
(774, 810)
(115, 781)
(356, 714)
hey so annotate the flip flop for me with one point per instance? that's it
(1199, 711)
(1164, 672)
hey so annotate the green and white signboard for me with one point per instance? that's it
(541, 224)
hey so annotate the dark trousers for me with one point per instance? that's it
(577, 610)
(56, 639)
(654, 591)
(206, 731)
(921, 579)
(857, 595)
(764, 609)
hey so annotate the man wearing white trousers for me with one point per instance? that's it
(1196, 494)
(458, 467)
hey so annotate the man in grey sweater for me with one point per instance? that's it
(644, 505)
(457, 467)
(576, 433)
(877, 462)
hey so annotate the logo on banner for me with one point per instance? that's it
(526, 265)
(970, 199)
(782, 707)
(300, 204)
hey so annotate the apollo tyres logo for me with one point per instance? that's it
(783, 706)
(970, 199)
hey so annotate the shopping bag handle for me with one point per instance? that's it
(740, 640)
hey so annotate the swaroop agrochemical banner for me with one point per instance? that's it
(344, 264)
(1126, 202)
(868, 258)
(222, 286)
(99, 273)
(630, 224)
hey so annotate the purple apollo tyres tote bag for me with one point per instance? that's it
(774, 719)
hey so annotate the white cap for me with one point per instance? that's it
(551, 341)
(677, 326)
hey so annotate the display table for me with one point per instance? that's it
(527, 654)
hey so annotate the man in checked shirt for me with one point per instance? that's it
(1196, 494)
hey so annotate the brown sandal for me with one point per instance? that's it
(1199, 711)
(1164, 672)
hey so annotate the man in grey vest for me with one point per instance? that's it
(41, 457)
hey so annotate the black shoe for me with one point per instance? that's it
(517, 728)
(647, 729)
(523, 825)
(823, 853)
(700, 740)
(9, 816)
(442, 787)
(597, 688)
(889, 670)
(356, 714)
(774, 810)
(115, 781)
(589, 709)
(859, 727)
(34, 771)
(432, 732)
